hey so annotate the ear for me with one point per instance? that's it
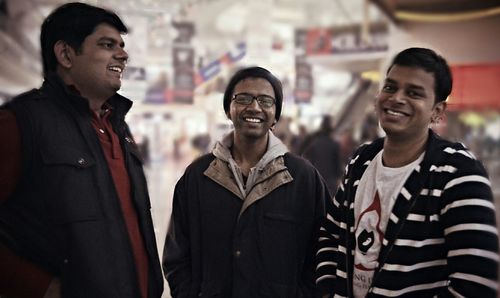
(63, 53)
(273, 126)
(438, 111)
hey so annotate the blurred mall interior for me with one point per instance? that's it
(329, 54)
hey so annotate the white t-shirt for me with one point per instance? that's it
(373, 203)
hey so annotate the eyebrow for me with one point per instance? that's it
(253, 94)
(391, 81)
(113, 40)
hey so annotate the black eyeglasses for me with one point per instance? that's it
(264, 101)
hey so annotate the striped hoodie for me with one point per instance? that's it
(441, 239)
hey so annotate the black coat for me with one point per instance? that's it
(65, 215)
(220, 245)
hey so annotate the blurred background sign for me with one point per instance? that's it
(475, 87)
(183, 58)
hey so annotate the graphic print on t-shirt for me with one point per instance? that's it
(369, 236)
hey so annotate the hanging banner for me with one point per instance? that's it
(318, 41)
(346, 40)
(183, 74)
(183, 60)
(213, 68)
(303, 90)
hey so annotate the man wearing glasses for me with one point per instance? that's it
(243, 216)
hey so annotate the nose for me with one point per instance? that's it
(254, 105)
(122, 55)
(398, 96)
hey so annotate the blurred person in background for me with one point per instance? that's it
(347, 145)
(369, 130)
(144, 149)
(323, 151)
(297, 139)
(414, 215)
(282, 131)
(75, 215)
(244, 216)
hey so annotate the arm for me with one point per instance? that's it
(177, 250)
(321, 196)
(10, 154)
(331, 234)
(18, 276)
(471, 235)
(327, 242)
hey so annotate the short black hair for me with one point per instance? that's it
(72, 23)
(255, 72)
(431, 62)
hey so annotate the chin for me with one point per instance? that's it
(254, 134)
(117, 86)
(391, 130)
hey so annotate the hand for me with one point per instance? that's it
(54, 289)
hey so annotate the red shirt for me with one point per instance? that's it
(114, 155)
(19, 277)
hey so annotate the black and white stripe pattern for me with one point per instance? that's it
(441, 238)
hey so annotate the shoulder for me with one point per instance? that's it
(28, 97)
(300, 167)
(25, 108)
(452, 167)
(200, 164)
(195, 171)
(297, 163)
(367, 152)
(441, 152)
(25, 103)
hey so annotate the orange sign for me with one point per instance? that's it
(475, 87)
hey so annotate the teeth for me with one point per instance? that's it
(253, 120)
(115, 68)
(391, 112)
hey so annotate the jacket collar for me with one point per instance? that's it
(54, 85)
(275, 149)
(432, 141)
(272, 177)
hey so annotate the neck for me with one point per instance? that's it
(398, 153)
(247, 152)
(95, 105)
(95, 100)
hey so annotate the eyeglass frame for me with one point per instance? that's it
(256, 98)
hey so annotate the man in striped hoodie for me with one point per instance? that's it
(414, 215)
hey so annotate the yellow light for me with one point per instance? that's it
(446, 17)
(371, 75)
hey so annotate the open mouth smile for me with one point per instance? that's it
(253, 120)
(117, 69)
(394, 113)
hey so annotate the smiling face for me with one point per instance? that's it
(406, 104)
(96, 70)
(252, 121)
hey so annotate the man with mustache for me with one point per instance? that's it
(75, 215)
(244, 216)
(414, 216)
